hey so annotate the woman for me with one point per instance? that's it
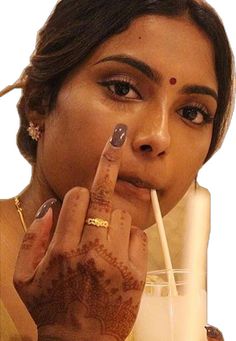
(162, 70)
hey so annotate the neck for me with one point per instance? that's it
(33, 196)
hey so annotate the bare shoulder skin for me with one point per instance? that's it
(11, 238)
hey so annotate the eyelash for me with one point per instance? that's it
(197, 108)
(207, 118)
(121, 82)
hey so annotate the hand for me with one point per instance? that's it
(86, 283)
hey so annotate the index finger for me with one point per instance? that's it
(106, 175)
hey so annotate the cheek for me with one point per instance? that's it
(74, 138)
(191, 145)
(193, 154)
(63, 150)
(199, 147)
(186, 157)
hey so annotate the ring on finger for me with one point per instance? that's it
(98, 222)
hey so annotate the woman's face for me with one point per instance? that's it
(158, 78)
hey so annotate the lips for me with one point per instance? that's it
(134, 187)
(137, 182)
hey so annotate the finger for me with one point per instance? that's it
(70, 223)
(214, 334)
(138, 249)
(34, 244)
(119, 232)
(106, 176)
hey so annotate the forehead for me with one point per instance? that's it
(173, 46)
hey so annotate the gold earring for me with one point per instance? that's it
(34, 131)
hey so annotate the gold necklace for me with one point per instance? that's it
(20, 212)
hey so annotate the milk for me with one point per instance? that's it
(163, 318)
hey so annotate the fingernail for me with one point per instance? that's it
(213, 332)
(119, 135)
(45, 207)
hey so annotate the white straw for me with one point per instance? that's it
(164, 243)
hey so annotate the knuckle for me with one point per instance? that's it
(58, 252)
(126, 215)
(29, 240)
(143, 236)
(15, 280)
(91, 256)
(76, 193)
(110, 155)
(100, 196)
(122, 215)
(136, 230)
(140, 234)
(18, 282)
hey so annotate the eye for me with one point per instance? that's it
(121, 89)
(196, 114)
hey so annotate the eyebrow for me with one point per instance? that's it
(156, 76)
(136, 63)
(199, 89)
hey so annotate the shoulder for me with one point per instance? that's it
(11, 237)
(6, 210)
(9, 222)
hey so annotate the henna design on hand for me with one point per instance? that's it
(83, 283)
(128, 281)
(28, 240)
(100, 195)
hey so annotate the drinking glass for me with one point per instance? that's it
(164, 317)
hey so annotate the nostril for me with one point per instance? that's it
(146, 148)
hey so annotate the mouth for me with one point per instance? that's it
(134, 187)
(137, 182)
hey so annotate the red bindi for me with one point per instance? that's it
(173, 81)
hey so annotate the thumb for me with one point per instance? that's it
(34, 244)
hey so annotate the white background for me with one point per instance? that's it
(19, 22)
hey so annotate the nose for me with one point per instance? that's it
(152, 137)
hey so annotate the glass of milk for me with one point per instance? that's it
(168, 318)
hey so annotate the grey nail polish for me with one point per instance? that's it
(45, 207)
(213, 332)
(119, 135)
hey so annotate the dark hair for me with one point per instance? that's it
(77, 27)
